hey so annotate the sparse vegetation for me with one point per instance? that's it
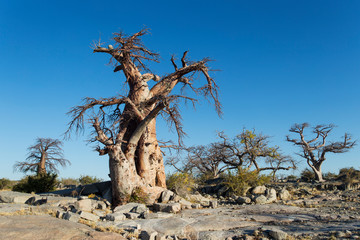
(307, 175)
(243, 179)
(5, 183)
(86, 179)
(181, 183)
(138, 196)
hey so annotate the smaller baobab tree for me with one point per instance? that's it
(315, 148)
(44, 156)
(252, 150)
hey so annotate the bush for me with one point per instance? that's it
(291, 178)
(138, 196)
(330, 176)
(240, 182)
(70, 181)
(38, 183)
(5, 183)
(181, 183)
(86, 179)
(349, 175)
(307, 175)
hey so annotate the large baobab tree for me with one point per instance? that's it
(44, 156)
(315, 148)
(125, 125)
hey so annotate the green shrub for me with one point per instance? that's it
(307, 175)
(70, 181)
(291, 178)
(86, 179)
(239, 182)
(138, 196)
(330, 176)
(5, 183)
(181, 183)
(349, 175)
(38, 183)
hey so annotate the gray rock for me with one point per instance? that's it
(60, 214)
(258, 190)
(117, 216)
(167, 207)
(15, 197)
(84, 205)
(196, 205)
(214, 204)
(13, 207)
(72, 217)
(140, 209)
(101, 205)
(270, 195)
(89, 216)
(242, 200)
(278, 234)
(260, 199)
(99, 213)
(132, 215)
(284, 194)
(166, 196)
(128, 207)
(145, 235)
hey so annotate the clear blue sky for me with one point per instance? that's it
(281, 62)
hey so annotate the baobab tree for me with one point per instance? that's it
(315, 148)
(44, 156)
(125, 125)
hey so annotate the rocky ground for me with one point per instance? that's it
(281, 211)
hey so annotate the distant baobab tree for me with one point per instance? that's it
(315, 148)
(44, 156)
(125, 125)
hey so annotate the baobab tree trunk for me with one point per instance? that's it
(41, 168)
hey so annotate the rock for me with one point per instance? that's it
(158, 215)
(101, 205)
(242, 200)
(89, 216)
(7, 208)
(99, 213)
(15, 197)
(117, 216)
(107, 194)
(166, 196)
(196, 205)
(72, 217)
(214, 204)
(140, 209)
(128, 207)
(132, 215)
(200, 199)
(167, 207)
(46, 227)
(278, 234)
(145, 235)
(270, 195)
(258, 190)
(261, 199)
(284, 194)
(84, 205)
(60, 214)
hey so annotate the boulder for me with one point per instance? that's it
(167, 207)
(89, 216)
(284, 194)
(260, 199)
(258, 190)
(147, 235)
(84, 205)
(117, 216)
(166, 196)
(214, 204)
(242, 200)
(16, 197)
(132, 215)
(270, 195)
(277, 234)
(128, 207)
(72, 217)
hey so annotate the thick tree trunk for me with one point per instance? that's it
(41, 168)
